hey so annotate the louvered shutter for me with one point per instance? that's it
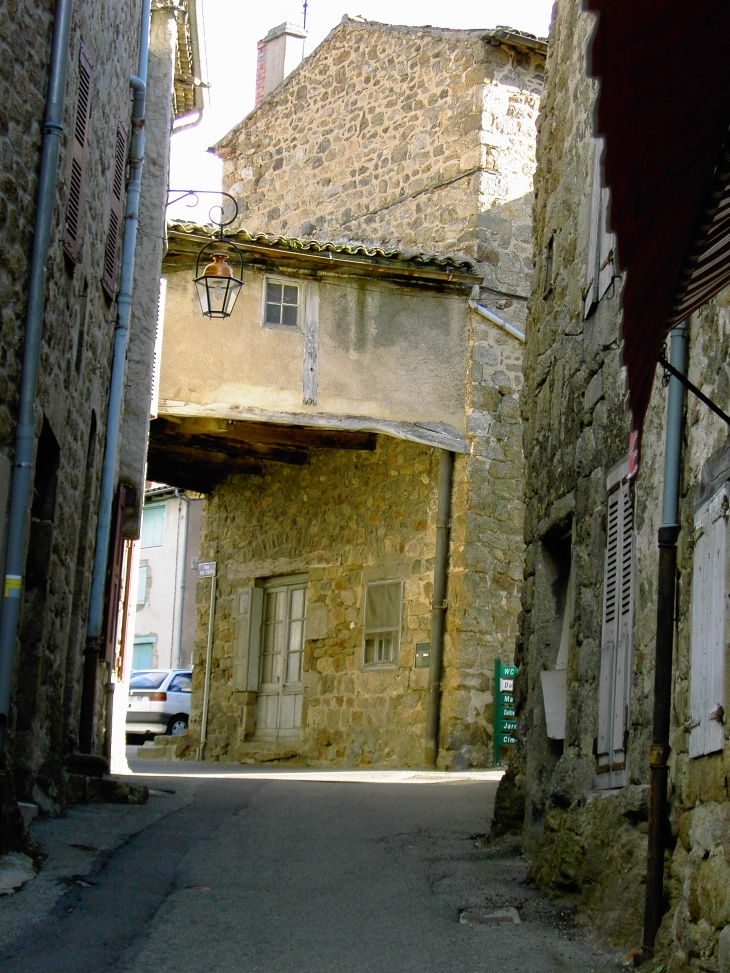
(109, 277)
(74, 205)
(157, 355)
(590, 291)
(606, 247)
(616, 639)
(709, 621)
(248, 606)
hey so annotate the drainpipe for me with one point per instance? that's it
(666, 585)
(438, 610)
(116, 385)
(21, 485)
(491, 316)
(178, 648)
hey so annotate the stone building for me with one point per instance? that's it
(395, 143)
(62, 240)
(622, 254)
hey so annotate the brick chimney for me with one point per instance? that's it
(277, 56)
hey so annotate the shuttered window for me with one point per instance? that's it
(248, 604)
(74, 205)
(157, 355)
(600, 265)
(383, 607)
(616, 638)
(153, 525)
(109, 277)
(709, 623)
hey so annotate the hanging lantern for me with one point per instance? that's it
(218, 285)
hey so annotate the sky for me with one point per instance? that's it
(231, 29)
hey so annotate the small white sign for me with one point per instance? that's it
(506, 685)
(206, 569)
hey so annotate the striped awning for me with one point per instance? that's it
(664, 111)
(707, 266)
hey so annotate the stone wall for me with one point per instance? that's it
(588, 842)
(344, 519)
(413, 138)
(74, 374)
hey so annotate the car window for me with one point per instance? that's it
(182, 683)
(147, 680)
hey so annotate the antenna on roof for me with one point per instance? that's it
(306, 4)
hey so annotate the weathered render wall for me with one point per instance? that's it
(576, 428)
(416, 138)
(383, 351)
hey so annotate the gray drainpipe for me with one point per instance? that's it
(124, 311)
(21, 485)
(438, 611)
(666, 584)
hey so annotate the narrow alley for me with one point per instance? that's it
(271, 869)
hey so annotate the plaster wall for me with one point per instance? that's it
(384, 352)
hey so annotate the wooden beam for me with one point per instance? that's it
(266, 433)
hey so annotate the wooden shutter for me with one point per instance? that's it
(616, 639)
(248, 607)
(109, 277)
(157, 355)
(114, 578)
(709, 639)
(606, 247)
(590, 291)
(72, 235)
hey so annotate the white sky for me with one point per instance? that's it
(228, 48)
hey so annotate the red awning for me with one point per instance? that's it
(664, 109)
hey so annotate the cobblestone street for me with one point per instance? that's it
(267, 870)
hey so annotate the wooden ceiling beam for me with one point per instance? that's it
(266, 433)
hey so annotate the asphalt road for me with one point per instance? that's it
(280, 875)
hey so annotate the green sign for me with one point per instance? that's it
(504, 708)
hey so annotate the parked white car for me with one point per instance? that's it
(159, 702)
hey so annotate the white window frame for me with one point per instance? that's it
(394, 661)
(617, 638)
(709, 637)
(287, 282)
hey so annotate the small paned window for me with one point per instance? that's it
(383, 601)
(153, 525)
(282, 302)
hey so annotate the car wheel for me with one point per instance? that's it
(177, 726)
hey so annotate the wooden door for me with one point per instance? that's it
(280, 693)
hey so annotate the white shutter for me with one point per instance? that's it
(590, 292)
(616, 639)
(709, 640)
(157, 356)
(606, 247)
(248, 604)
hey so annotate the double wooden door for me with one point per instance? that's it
(280, 692)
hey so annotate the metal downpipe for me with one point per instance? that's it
(21, 485)
(666, 584)
(116, 385)
(438, 611)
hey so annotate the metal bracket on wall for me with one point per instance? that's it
(671, 370)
